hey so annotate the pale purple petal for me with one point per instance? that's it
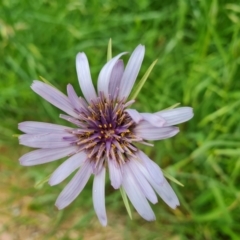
(115, 174)
(134, 114)
(153, 119)
(142, 182)
(75, 186)
(54, 96)
(131, 71)
(73, 120)
(105, 74)
(136, 196)
(153, 169)
(41, 156)
(115, 78)
(41, 127)
(72, 96)
(146, 131)
(47, 140)
(84, 77)
(176, 116)
(67, 167)
(99, 196)
(164, 190)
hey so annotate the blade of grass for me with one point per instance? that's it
(142, 81)
(126, 203)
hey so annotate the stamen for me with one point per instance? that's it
(116, 143)
(94, 150)
(147, 144)
(120, 158)
(91, 145)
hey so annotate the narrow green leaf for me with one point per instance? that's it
(109, 50)
(173, 106)
(227, 152)
(40, 183)
(219, 113)
(16, 135)
(46, 81)
(233, 7)
(167, 175)
(142, 81)
(126, 203)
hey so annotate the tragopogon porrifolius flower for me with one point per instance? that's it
(103, 137)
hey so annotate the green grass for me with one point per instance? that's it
(198, 47)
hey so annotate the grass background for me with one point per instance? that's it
(198, 47)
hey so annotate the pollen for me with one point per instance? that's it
(108, 130)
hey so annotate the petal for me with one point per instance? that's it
(41, 127)
(41, 156)
(105, 74)
(115, 78)
(176, 116)
(164, 190)
(153, 169)
(115, 174)
(99, 196)
(131, 71)
(74, 187)
(142, 182)
(146, 131)
(136, 196)
(134, 114)
(73, 98)
(153, 119)
(73, 120)
(54, 96)
(67, 167)
(84, 77)
(47, 140)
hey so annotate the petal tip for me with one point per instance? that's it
(69, 85)
(36, 83)
(176, 130)
(21, 162)
(51, 182)
(80, 56)
(58, 206)
(103, 221)
(115, 185)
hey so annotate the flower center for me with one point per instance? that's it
(108, 132)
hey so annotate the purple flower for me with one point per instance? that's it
(103, 137)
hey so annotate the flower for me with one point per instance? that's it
(104, 136)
